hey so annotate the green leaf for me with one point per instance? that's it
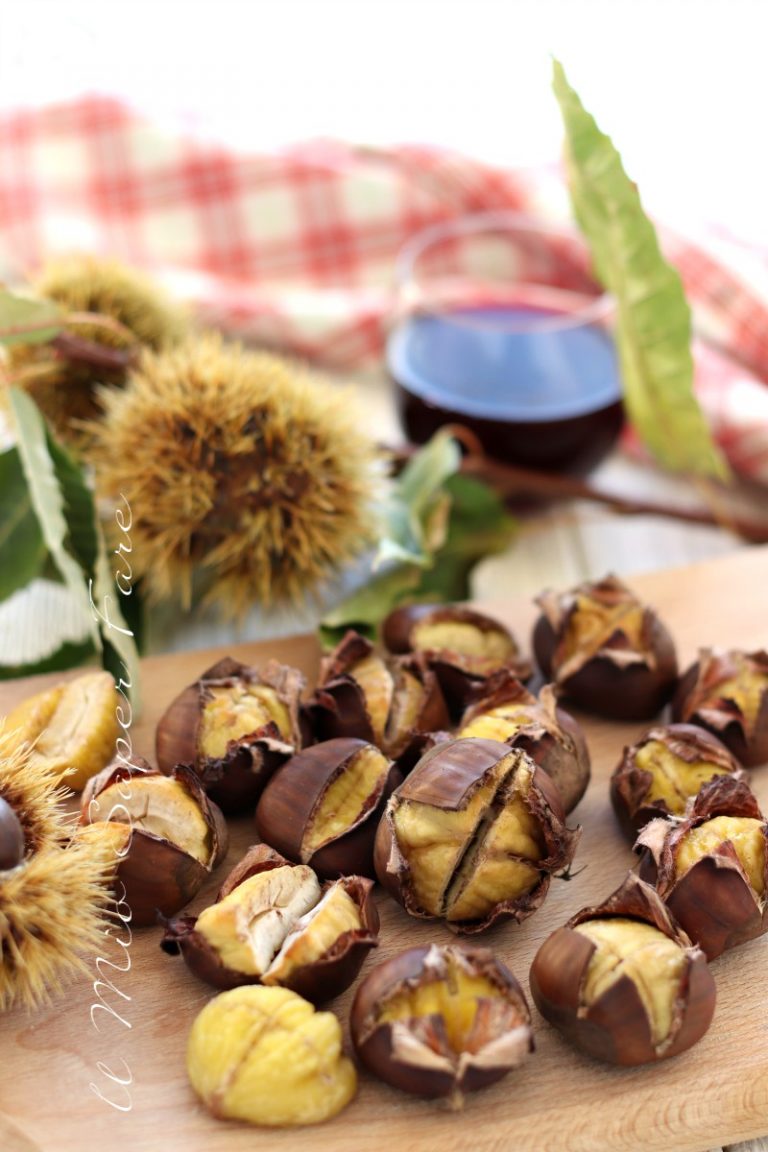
(415, 516)
(653, 327)
(68, 655)
(366, 607)
(27, 321)
(22, 549)
(66, 513)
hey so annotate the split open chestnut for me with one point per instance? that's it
(441, 1021)
(622, 982)
(234, 725)
(473, 835)
(727, 693)
(605, 650)
(274, 923)
(711, 868)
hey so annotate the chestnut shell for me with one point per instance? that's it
(713, 901)
(616, 682)
(289, 799)
(697, 701)
(630, 784)
(11, 837)
(615, 1028)
(326, 977)
(159, 878)
(375, 1045)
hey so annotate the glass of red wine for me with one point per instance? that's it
(500, 327)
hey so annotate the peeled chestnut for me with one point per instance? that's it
(622, 982)
(168, 835)
(273, 923)
(666, 768)
(727, 693)
(510, 713)
(462, 646)
(605, 651)
(441, 1021)
(473, 835)
(711, 869)
(385, 702)
(11, 837)
(322, 806)
(234, 725)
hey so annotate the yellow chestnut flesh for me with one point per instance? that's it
(498, 723)
(160, 806)
(591, 624)
(265, 1056)
(466, 639)
(674, 780)
(235, 710)
(345, 798)
(455, 1000)
(639, 951)
(744, 833)
(315, 933)
(377, 686)
(747, 690)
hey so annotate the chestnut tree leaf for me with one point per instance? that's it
(415, 516)
(24, 320)
(22, 548)
(653, 319)
(66, 655)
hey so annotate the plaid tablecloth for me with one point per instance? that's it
(296, 250)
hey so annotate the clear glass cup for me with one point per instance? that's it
(499, 327)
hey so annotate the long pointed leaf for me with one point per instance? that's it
(22, 549)
(653, 329)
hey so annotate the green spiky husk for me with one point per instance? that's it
(239, 467)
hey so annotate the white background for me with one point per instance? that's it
(682, 85)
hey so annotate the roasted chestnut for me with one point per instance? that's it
(168, 835)
(11, 837)
(234, 725)
(622, 982)
(322, 806)
(727, 693)
(510, 713)
(441, 1021)
(387, 703)
(273, 923)
(711, 869)
(605, 651)
(463, 647)
(473, 835)
(666, 768)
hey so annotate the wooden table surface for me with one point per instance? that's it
(714, 1095)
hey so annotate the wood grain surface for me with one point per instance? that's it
(560, 1101)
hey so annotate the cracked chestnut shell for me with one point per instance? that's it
(727, 693)
(169, 836)
(441, 1021)
(666, 768)
(273, 923)
(323, 805)
(389, 703)
(605, 650)
(473, 835)
(462, 646)
(235, 726)
(711, 868)
(510, 713)
(622, 982)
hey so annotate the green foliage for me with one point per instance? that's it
(27, 321)
(22, 549)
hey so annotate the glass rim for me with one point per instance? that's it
(598, 308)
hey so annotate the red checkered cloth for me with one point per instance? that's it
(296, 250)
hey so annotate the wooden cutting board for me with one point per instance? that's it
(559, 1101)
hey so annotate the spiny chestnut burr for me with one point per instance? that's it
(273, 923)
(622, 982)
(711, 868)
(385, 702)
(462, 646)
(234, 725)
(265, 1056)
(605, 651)
(473, 835)
(510, 713)
(168, 835)
(322, 806)
(11, 837)
(727, 693)
(665, 769)
(441, 1021)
